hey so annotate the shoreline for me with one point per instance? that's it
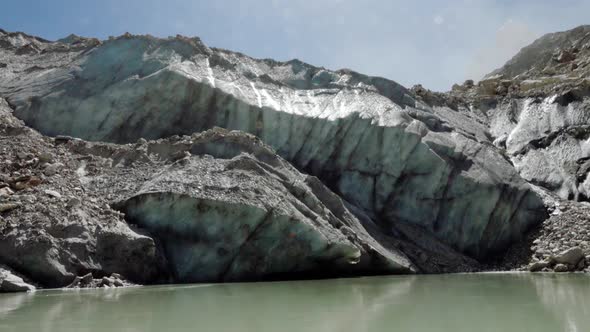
(198, 285)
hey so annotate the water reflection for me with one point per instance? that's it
(13, 301)
(425, 303)
(567, 298)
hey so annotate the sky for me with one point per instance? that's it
(431, 42)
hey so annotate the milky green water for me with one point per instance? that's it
(474, 303)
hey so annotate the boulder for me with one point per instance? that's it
(7, 207)
(5, 192)
(537, 266)
(106, 281)
(52, 169)
(87, 278)
(75, 283)
(10, 282)
(581, 265)
(570, 256)
(565, 56)
(561, 268)
(88, 281)
(53, 193)
(489, 86)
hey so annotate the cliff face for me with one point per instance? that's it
(398, 159)
(400, 178)
(211, 207)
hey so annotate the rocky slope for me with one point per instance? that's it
(537, 110)
(401, 181)
(51, 227)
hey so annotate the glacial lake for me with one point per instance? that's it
(461, 302)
